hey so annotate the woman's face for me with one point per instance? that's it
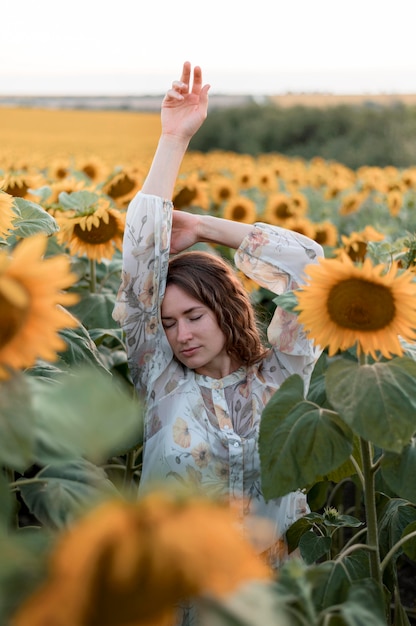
(194, 335)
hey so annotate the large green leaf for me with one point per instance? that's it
(78, 200)
(364, 605)
(65, 491)
(88, 414)
(81, 349)
(252, 604)
(377, 401)
(397, 468)
(95, 310)
(17, 423)
(313, 547)
(32, 219)
(395, 515)
(299, 441)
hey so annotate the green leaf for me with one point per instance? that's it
(394, 517)
(409, 548)
(7, 502)
(81, 349)
(299, 528)
(298, 441)
(66, 491)
(396, 469)
(287, 301)
(365, 605)
(17, 423)
(252, 604)
(78, 200)
(88, 414)
(312, 547)
(32, 219)
(95, 310)
(377, 401)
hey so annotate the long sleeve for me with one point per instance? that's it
(276, 258)
(145, 263)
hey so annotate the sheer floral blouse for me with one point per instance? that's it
(201, 431)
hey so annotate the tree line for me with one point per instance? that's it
(352, 135)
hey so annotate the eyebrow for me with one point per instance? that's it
(186, 312)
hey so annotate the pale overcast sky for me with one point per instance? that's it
(258, 47)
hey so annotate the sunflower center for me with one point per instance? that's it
(184, 197)
(282, 210)
(357, 251)
(361, 305)
(122, 187)
(239, 213)
(98, 234)
(18, 191)
(14, 301)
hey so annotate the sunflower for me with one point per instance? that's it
(299, 203)
(222, 188)
(266, 179)
(326, 233)
(96, 231)
(18, 183)
(394, 201)
(123, 185)
(132, 562)
(59, 169)
(7, 215)
(240, 209)
(30, 291)
(351, 202)
(344, 305)
(191, 191)
(93, 167)
(278, 209)
(355, 245)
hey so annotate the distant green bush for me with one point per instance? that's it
(353, 135)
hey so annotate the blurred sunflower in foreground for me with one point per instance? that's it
(133, 563)
(7, 215)
(30, 292)
(95, 230)
(343, 305)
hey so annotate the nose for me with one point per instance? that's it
(183, 331)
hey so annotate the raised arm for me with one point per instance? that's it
(184, 109)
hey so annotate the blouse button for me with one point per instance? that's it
(236, 444)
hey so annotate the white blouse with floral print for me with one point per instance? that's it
(200, 431)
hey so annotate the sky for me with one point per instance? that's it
(260, 47)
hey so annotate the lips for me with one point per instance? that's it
(189, 352)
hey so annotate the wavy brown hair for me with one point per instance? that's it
(212, 281)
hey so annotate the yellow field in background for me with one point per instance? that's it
(34, 136)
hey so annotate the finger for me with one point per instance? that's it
(186, 73)
(173, 94)
(179, 86)
(197, 82)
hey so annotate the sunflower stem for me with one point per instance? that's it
(93, 276)
(370, 510)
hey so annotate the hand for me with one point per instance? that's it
(185, 228)
(184, 109)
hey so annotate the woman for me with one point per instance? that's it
(193, 345)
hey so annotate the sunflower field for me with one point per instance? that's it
(78, 548)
